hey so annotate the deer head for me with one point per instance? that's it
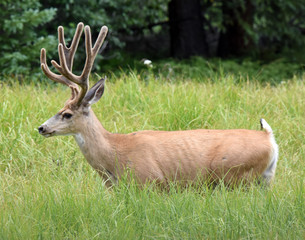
(77, 108)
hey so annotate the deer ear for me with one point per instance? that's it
(95, 93)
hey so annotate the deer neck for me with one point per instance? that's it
(93, 140)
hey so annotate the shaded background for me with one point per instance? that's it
(252, 32)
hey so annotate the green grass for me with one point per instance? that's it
(274, 70)
(48, 191)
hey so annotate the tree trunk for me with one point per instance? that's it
(235, 41)
(186, 29)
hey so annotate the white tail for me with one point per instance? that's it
(231, 155)
(268, 174)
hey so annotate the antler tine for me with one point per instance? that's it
(48, 73)
(100, 39)
(70, 52)
(92, 52)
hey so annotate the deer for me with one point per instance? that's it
(185, 156)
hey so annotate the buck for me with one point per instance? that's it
(162, 156)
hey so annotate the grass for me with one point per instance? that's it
(48, 191)
(274, 71)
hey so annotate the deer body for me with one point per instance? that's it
(179, 155)
(162, 156)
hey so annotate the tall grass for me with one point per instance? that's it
(48, 191)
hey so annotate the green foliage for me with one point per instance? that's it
(280, 22)
(122, 18)
(20, 41)
(200, 69)
(27, 26)
(271, 25)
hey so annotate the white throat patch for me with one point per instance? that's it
(79, 139)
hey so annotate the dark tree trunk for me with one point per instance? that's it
(235, 41)
(186, 29)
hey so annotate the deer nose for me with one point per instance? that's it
(41, 129)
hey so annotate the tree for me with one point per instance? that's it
(238, 17)
(186, 29)
(242, 26)
(20, 41)
(238, 27)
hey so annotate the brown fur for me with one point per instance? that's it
(231, 155)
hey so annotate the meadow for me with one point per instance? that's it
(48, 191)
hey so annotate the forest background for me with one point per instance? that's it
(251, 34)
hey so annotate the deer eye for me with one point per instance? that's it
(67, 115)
